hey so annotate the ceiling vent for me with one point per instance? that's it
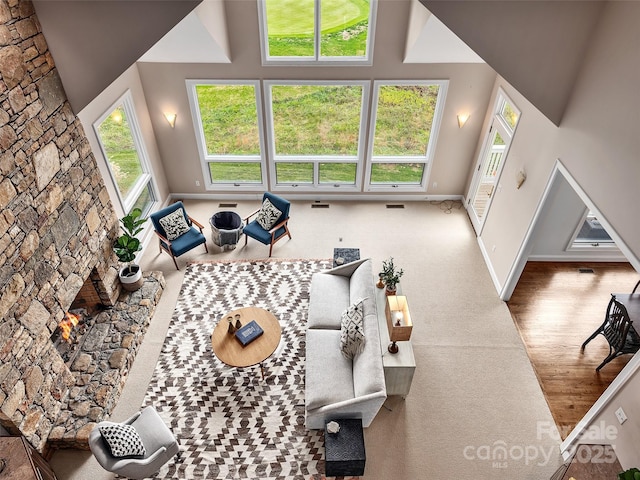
(319, 205)
(395, 205)
(228, 205)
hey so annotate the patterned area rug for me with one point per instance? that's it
(232, 423)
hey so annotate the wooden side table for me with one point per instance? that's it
(398, 367)
(22, 461)
(231, 352)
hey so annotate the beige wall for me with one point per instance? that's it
(606, 429)
(512, 209)
(599, 144)
(600, 135)
(596, 142)
(94, 41)
(469, 89)
(538, 46)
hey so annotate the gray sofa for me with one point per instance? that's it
(337, 387)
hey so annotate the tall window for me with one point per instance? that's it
(404, 124)
(121, 142)
(316, 30)
(228, 136)
(315, 132)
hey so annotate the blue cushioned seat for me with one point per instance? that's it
(183, 243)
(280, 227)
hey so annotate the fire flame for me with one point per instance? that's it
(67, 324)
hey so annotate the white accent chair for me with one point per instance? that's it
(159, 443)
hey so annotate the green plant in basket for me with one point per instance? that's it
(127, 245)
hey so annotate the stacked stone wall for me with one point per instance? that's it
(57, 225)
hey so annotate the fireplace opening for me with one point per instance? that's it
(88, 299)
(70, 333)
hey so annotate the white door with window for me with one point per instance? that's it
(491, 160)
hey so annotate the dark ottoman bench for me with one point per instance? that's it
(344, 450)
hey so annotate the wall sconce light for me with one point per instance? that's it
(398, 320)
(521, 176)
(171, 118)
(462, 119)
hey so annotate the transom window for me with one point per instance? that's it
(326, 31)
(229, 137)
(404, 123)
(508, 113)
(122, 146)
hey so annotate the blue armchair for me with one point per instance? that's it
(176, 231)
(271, 222)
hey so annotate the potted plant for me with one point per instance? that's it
(126, 246)
(631, 474)
(390, 276)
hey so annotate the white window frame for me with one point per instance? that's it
(205, 158)
(146, 179)
(430, 149)
(574, 245)
(316, 159)
(502, 99)
(317, 59)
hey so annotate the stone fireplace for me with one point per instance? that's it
(57, 227)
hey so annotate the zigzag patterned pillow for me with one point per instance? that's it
(268, 215)
(174, 224)
(352, 330)
(123, 440)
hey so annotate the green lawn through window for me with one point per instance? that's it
(344, 25)
(317, 120)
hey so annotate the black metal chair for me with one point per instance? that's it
(636, 287)
(618, 330)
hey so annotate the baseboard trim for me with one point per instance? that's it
(489, 265)
(357, 197)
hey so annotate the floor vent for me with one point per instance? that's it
(228, 205)
(395, 205)
(319, 205)
(586, 270)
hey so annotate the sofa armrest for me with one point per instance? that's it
(365, 407)
(347, 269)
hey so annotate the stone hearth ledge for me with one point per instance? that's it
(101, 368)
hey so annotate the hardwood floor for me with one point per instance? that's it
(556, 307)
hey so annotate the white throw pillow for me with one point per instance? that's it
(174, 224)
(352, 330)
(123, 440)
(268, 215)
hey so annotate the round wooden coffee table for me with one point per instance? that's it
(229, 349)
